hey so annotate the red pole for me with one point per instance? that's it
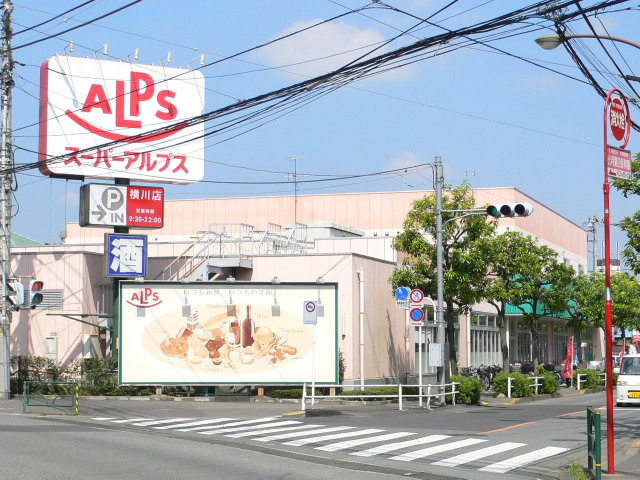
(608, 312)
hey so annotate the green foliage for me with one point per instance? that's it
(631, 225)
(469, 390)
(577, 471)
(381, 391)
(549, 381)
(520, 385)
(295, 393)
(592, 379)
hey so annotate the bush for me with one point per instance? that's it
(549, 381)
(295, 393)
(382, 391)
(592, 380)
(469, 390)
(520, 385)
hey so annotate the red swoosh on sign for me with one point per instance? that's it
(151, 137)
(144, 306)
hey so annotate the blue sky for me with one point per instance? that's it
(494, 119)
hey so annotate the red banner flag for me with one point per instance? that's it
(568, 363)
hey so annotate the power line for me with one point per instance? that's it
(84, 24)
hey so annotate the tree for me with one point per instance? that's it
(539, 290)
(631, 225)
(585, 295)
(507, 256)
(464, 271)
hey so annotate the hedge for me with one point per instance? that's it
(520, 386)
(469, 390)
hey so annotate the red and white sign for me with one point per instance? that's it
(618, 163)
(105, 119)
(416, 296)
(121, 206)
(619, 117)
(145, 207)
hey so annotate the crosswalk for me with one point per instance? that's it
(473, 452)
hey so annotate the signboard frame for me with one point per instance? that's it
(153, 312)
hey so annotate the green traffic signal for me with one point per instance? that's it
(510, 210)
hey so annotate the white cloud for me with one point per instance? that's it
(323, 48)
(415, 178)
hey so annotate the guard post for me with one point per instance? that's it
(594, 451)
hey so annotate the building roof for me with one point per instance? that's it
(18, 240)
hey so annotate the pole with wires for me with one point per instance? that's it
(6, 164)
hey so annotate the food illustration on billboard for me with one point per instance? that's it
(106, 119)
(207, 333)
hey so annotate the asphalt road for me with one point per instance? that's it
(221, 440)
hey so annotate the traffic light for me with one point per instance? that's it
(510, 210)
(15, 294)
(35, 293)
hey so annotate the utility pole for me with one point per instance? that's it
(6, 163)
(295, 159)
(439, 180)
(592, 224)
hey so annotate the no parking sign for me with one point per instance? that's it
(310, 312)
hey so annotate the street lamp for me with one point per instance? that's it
(549, 42)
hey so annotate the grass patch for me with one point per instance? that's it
(577, 471)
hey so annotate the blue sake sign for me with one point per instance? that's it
(127, 255)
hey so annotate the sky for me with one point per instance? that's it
(502, 113)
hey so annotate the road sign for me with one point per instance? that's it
(121, 206)
(417, 316)
(416, 295)
(618, 163)
(310, 313)
(402, 293)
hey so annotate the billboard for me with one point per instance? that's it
(120, 120)
(208, 333)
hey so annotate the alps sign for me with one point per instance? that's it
(105, 119)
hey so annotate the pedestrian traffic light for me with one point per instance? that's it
(35, 293)
(15, 294)
(510, 210)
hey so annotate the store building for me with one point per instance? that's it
(343, 238)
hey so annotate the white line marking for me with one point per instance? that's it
(158, 422)
(103, 418)
(300, 434)
(131, 420)
(232, 424)
(249, 427)
(521, 460)
(478, 454)
(334, 447)
(193, 424)
(390, 447)
(322, 438)
(425, 452)
(273, 430)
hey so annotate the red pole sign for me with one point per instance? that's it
(618, 120)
